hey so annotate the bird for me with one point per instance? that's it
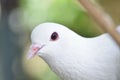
(74, 57)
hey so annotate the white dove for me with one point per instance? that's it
(73, 57)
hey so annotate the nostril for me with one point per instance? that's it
(35, 48)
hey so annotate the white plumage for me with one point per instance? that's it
(73, 57)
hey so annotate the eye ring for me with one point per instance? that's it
(54, 36)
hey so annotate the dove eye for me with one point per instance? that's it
(54, 36)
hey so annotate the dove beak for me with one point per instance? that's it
(34, 49)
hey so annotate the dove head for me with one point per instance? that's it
(49, 40)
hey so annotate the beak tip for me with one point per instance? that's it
(29, 56)
(33, 51)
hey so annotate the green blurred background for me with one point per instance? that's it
(19, 17)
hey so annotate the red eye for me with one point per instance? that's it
(54, 36)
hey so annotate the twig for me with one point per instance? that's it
(102, 19)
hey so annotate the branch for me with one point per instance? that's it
(101, 18)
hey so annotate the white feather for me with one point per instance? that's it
(73, 57)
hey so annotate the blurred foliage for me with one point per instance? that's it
(66, 12)
(112, 7)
